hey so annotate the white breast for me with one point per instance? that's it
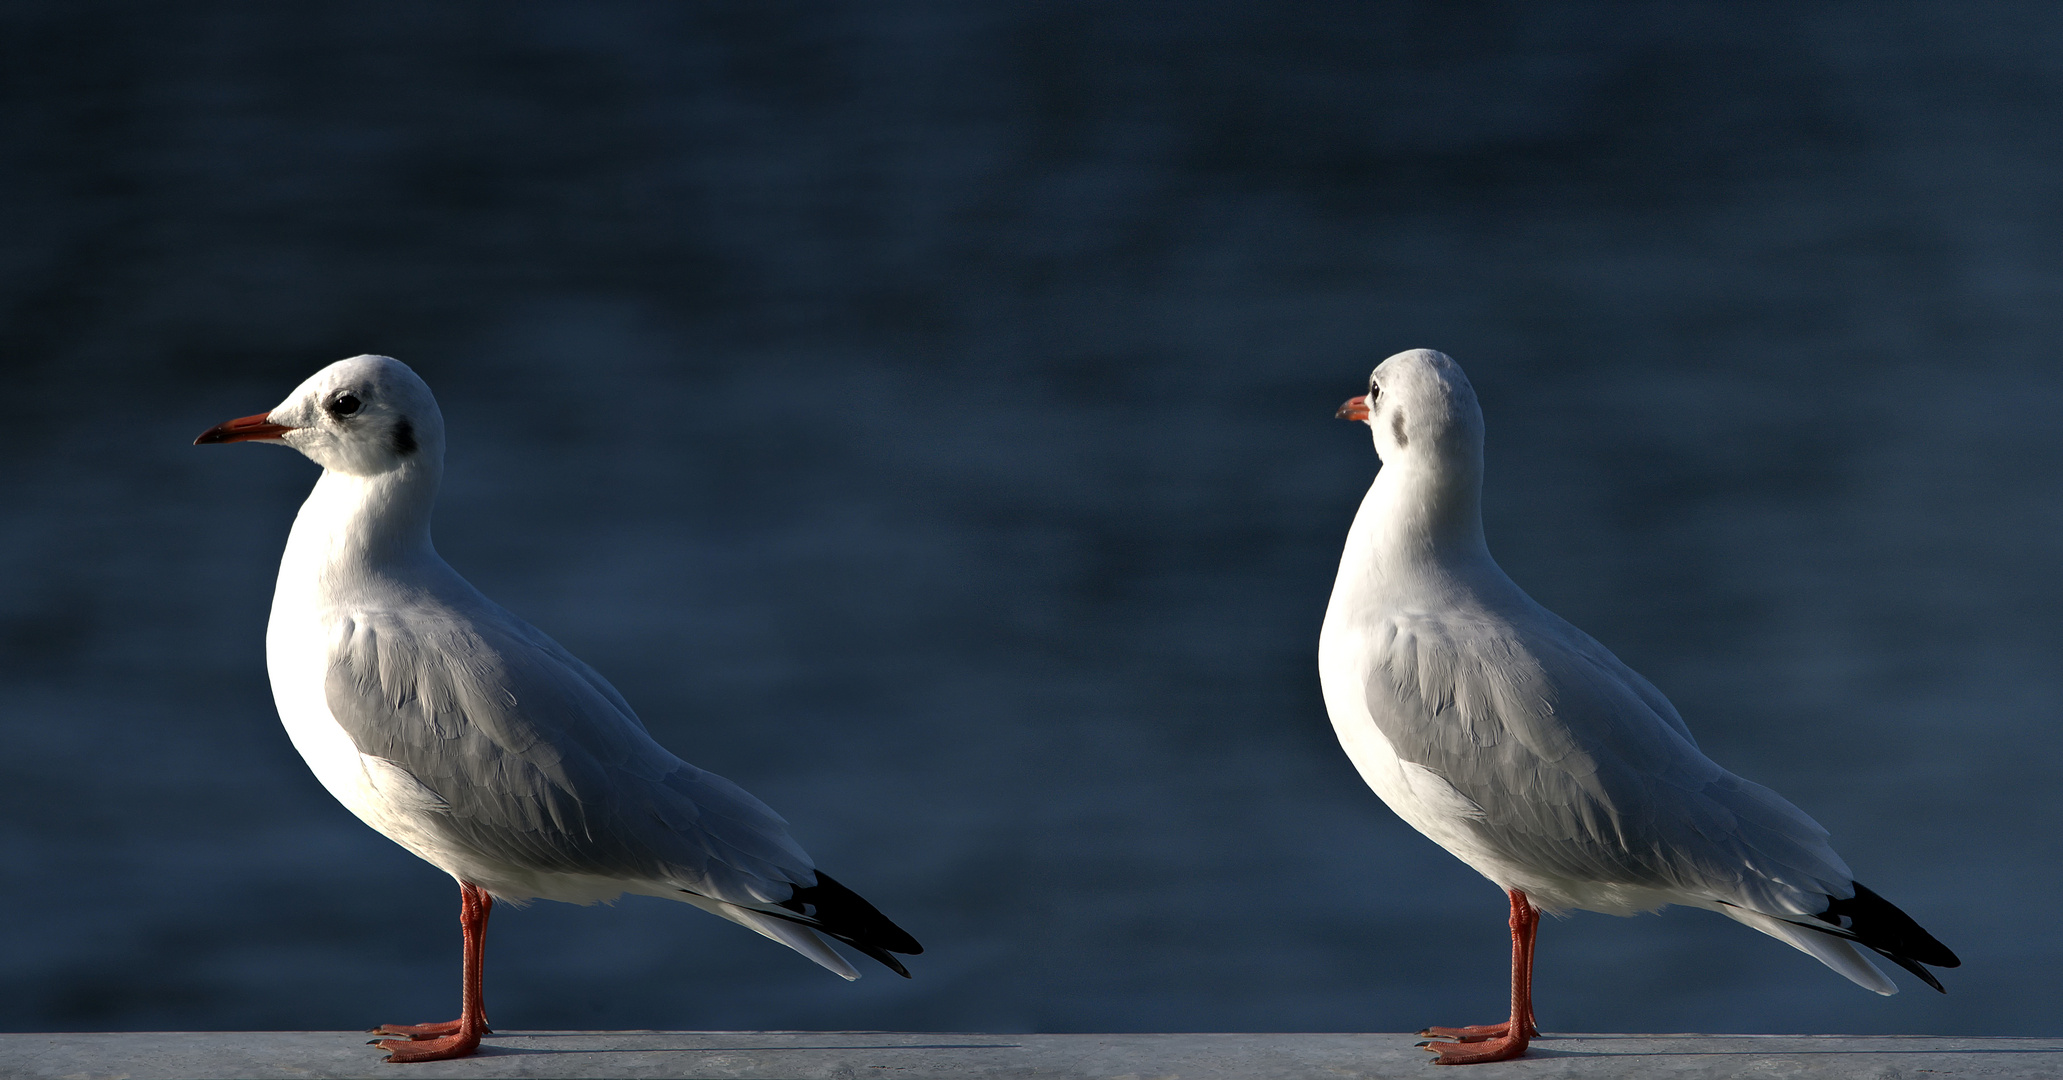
(297, 658)
(1423, 798)
(381, 793)
(299, 639)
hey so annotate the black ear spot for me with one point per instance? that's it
(404, 437)
(1397, 427)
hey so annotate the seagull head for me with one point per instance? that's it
(1420, 405)
(364, 416)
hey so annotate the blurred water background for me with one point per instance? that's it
(923, 413)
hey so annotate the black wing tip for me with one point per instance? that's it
(1877, 924)
(888, 961)
(1913, 966)
(846, 916)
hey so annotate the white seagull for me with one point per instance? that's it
(468, 737)
(1526, 749)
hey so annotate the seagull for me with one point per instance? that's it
(470, 738)
(1530, 752)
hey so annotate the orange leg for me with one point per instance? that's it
(452, 1038)
(1499, 1042)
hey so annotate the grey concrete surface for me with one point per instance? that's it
(845, 1055)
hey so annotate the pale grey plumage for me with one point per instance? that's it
(1572, 756)
(471, 738)
(539, 762)
(1526, 748)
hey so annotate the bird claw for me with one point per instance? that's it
(425, 1031)
(1476, 1053)
(1477, 1043)
(1475, 1033)
(429, 1042)
(463, 1044)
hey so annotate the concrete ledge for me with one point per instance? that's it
(848, 1055)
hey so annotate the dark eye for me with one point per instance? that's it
(344, 404)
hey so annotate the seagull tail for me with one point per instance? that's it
(1864, 919)
(792, 934)
(1827, 949)
(827, 908)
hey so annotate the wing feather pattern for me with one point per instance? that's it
(540, 763)
(1583, 771)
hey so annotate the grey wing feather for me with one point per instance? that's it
(542, 764)
(1584, 770)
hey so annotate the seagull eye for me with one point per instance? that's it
(344, 405)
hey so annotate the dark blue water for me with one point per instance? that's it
(923, 413)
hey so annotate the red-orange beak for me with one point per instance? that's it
(243, 429)
(1356, 408)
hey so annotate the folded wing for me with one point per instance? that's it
(1584, 771)
(540, 764)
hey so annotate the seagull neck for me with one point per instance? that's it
(366, 522)
(1427, 514)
